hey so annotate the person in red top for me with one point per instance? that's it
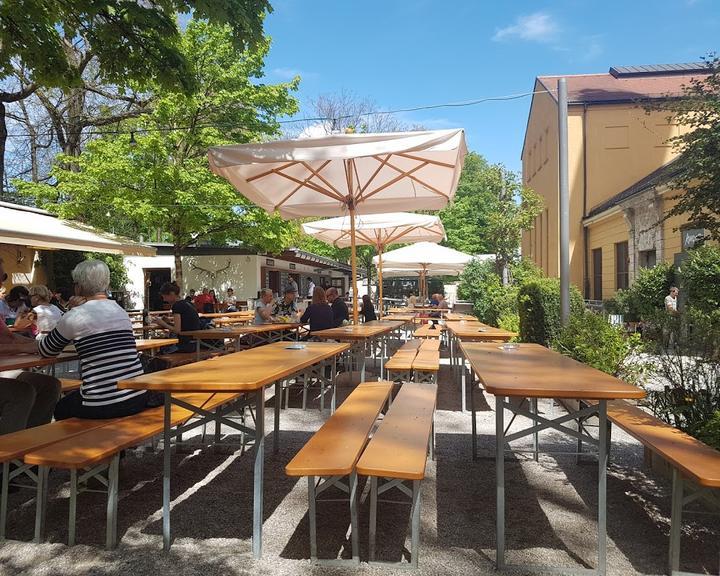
(204, 301)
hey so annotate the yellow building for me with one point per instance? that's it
(619, 161)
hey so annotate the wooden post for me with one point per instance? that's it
(380, 287)
(353, 261)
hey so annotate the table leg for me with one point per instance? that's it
(333, 376)
(197, 348)
(500, 481)
(258, 474)
(463, 391)
(452, 353)
(166, 472)
(602, 487)
(278, 407)
(383, 354)
(361, 361)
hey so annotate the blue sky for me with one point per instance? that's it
(419, 52)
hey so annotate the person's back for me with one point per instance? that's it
(340, 311)
(189, 320)
(368, 309)
(320, 317)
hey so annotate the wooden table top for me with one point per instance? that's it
(399, 317)
(232, 320)
(243, 314)
(237, 331)
(457, 317)
(425, 331)
(478, 331)
(152, 343)
(538, 372)
(359, 331)
(238, 372)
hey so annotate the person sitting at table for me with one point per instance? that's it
(46, 315)
(318, 313)
(27, 399)
(264, 307)
(230, 303)
(368, 310)
(18, 302)
(412, 300)
(215, 302)
(203, 301)
(103, 337)
(184, 317)
(339, 308)
(286, 307)
(60, 298)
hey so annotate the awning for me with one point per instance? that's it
(21, 226)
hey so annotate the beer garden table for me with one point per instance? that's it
(246, 372)
(264, 333)
(359, 335)
(530, 372)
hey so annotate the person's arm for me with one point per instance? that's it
(160, 321)
(265, 312)
(306, 316)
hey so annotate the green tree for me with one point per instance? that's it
(160, 180)
(51, 43)
(699, 176)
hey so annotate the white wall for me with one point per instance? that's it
(135, 266)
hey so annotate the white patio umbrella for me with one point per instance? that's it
(380, 231)
(426, 258)
(346, 174)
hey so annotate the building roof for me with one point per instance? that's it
(627, 83)
(663, 174)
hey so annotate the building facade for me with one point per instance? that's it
(620, 162)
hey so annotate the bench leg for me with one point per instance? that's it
(333, 377)
(373, 516)
(4, 498)
(276, 416)
(678, 493)
(305, 391)
(415, 530)
(312, 517)
(354, 536)
(166, 473)
(41, 504)
(73, 507)
(462, 389)
(534, 410)
(473, 415)
(112, 502)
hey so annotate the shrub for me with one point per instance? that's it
(591, 339)
(646, 295)
(710, 431)
(700, 277)
(539, 309)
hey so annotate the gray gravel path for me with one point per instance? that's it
(551, 512)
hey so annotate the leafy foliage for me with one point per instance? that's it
(591, 339)
(646, 295)
(700, 278)
(710, 431)
(162, 180)
(539, 309)
(699, 178)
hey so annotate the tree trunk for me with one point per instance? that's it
(178, 267)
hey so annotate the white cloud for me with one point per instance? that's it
(537, 27)
(290, 73)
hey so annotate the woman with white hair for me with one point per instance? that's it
(103, 337)
(46, 315)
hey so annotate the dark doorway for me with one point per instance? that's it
(154, 279)
(274, 281)
(597, 273)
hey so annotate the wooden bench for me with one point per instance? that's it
(398, 453)
(430, 344)
(331, 454)
(97, 453)
(68, 385)
(400, 366)
(426, 365)
(696, 466)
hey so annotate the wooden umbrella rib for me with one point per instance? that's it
(393, 240)
(312, 186)
(317, 174)
(374, 174)
(394, 180)
(415, 179)
(272, 171)
(364, 237)
(428, 160)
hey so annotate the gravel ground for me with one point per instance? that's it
(550, 518)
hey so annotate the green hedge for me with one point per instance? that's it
(539, 308)
(700, 278)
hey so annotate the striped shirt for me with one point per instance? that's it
(103, 337)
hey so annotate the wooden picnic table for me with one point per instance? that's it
(242, 314)
(263, 333)
(233, 320)
(526, 374)
(28, 361)
(359, 335)
(249, 371)
(457, 317)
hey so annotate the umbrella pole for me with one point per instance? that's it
(353, 262)
(380, 287)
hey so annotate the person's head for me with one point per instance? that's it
(289, 295)
(319, 296)
(309, 279)
(91, 277)
(440, 297)
(205, 290)
(332, 294)
(212, 293)
(63, 295)
(39, 294)
(674, 291)
(170, 292)
(367, 301)
(230, 292)
(17, 297)
(266, 295)
(191, 293)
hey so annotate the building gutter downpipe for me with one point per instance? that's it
(564, 202)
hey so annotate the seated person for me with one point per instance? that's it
(184, 317)
(18, 304)
(434, 299)
(412, 300)
(46, 315)
(286, 307)
(264, 307)
(442, 304)
(204, 302)
(27, 399)
(318, 313)
(368, 310)
(230, 303)
(103, 337)
(339, 308)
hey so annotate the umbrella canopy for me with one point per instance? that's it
(378, 230)
(346, 174)
(34, 228)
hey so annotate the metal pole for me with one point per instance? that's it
(564, 201)
(380, 283)
(353, 264)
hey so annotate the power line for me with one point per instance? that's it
(460, 104)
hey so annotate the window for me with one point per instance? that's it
(647, 258)
(622, 266)
(597, 273)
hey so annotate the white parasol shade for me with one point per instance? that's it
(380, 231)
(346, 174)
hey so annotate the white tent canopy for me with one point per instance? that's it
(379, 230)
(346, 174)
(23, 226)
